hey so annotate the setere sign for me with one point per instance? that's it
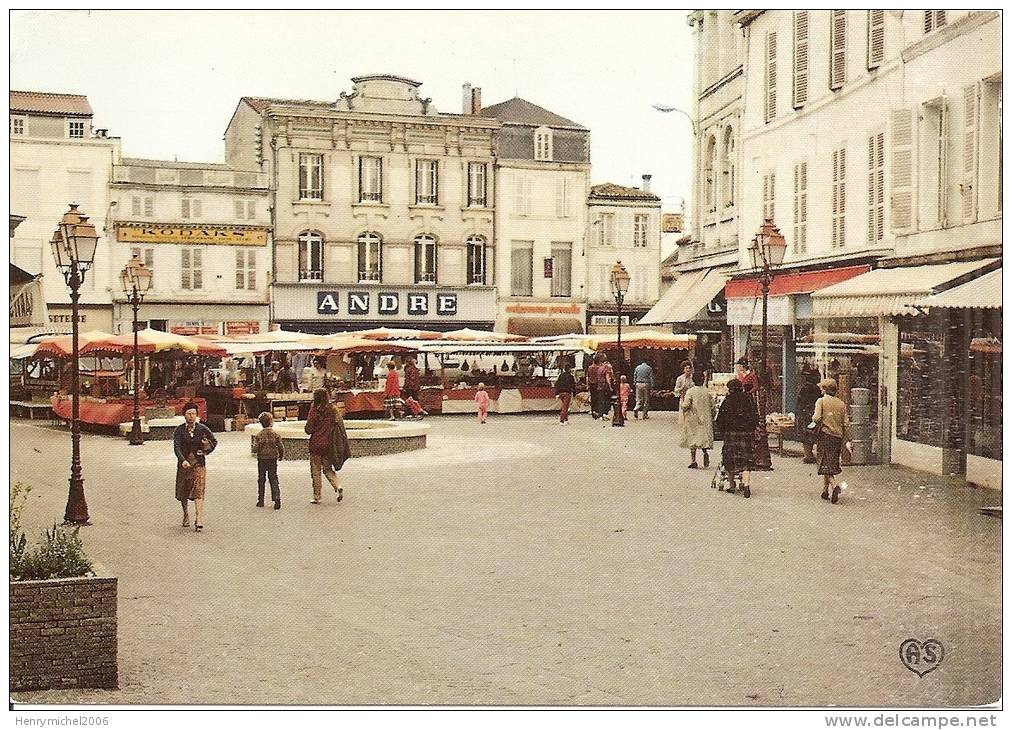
(357, 303)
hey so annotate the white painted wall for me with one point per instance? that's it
(642, 263)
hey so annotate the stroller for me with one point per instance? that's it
(417, 413)
(723, 481)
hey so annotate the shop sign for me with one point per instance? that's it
(242, 328)
(67, 318)
(543, 309)
(548, 267)
(608, 319)
(750, 311)
(358, 303)
(193, 328)
(224, 235)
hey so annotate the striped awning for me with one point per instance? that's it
(982, 293)
(690, 293)
(891, 291)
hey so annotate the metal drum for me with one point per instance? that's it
(860, 396)
(860, 414)
(862, 452)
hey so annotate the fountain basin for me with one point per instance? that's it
(366, 438)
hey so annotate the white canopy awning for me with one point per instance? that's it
(690, 293)
(889, 291)
(982, 293)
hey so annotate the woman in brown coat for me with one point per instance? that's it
(833, 426)
(328, 444)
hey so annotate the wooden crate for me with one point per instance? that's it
(292, 413)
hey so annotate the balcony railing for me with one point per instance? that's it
(315, 275)
(369, 275)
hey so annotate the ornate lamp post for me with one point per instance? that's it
(619, 286)
(767, 253)
(74, 244)
(135, 280)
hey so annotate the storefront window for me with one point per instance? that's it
(920, 374)
(984, 399)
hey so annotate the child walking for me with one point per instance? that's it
(482, 400)
(624, 392)
(269, 448)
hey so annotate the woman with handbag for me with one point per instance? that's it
(832, 428)
(322, 426)
(738, 420)
(192, 441)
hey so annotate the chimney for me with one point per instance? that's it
(476, 100)
(466, 108)
(646, 183)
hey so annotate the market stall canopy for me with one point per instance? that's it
(982, 293)
(647, 340)
(393, 333)
(279, 336)
(893, 291)
(469, 335)
(351, 345)
(150, 341)
(497, 348)
(20, 352)
(690, 294)
(63, 346)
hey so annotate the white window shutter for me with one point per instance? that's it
(876, 38)
(771, 76)
(969, 183)
(871, 189)
(901, 193)
(838, 49)
(843, 197)
(943, 165)
(800, 58)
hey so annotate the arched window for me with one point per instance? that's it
(370, 257)
(709, 184)
(310, 256)
(542, 143)
(727, 168)
(478, 260)
(425, 259)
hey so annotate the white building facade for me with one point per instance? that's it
(625, 225)
(382, 207)
(204, 230)
(871, 139)
(542, 171)
(57, 157)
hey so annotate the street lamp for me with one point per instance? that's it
(766, 253)
(619, 286)
(74, 243)
(135, 280)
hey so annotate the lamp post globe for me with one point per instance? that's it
(135, 280)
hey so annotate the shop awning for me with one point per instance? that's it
(795, 282)
(981, 293)
(690, 293)
(890, 291)
(543, 326)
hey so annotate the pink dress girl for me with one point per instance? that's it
(624, 392)
(482, 400)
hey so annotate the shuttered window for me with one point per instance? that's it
(561, 197)
(876, 38)
(839, 166)
(771, 76)
(876, 187)
(562, 269)
(192, 267)
(934, 19)
(838, 49)
(800, 58)
(522, 269)
(901, 197)
(801, 207)
(968, 187)
(245, 268)
(769, 196)
(522, 199)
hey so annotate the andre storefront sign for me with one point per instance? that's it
(203, 235)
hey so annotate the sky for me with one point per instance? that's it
(167, 82)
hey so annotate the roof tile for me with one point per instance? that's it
(45, 103)
(611, 190)
(521, 111)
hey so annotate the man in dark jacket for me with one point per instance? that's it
(565, 388)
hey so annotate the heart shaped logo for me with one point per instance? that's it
(921, 657)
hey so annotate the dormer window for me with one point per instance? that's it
(75, 130)
(18, 125)
(543, 143)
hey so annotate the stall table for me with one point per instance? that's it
(28, 409)
(115, 412)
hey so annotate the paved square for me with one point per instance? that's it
(524, 562)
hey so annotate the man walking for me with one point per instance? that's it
(643, 380)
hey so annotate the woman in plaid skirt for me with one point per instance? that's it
(392, 393)
(737, 420)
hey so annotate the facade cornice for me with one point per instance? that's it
(475, 123)
(721, 83)
(189, 188)
(190, 224)
(746, 17)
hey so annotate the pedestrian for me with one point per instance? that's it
(737, 420)
(314, 377)
(482, 400)
(192, 441)
(684, 381)
(269, 448)
(808, 394)
(565, 389)
(643, 381)
(608, 388)
(593, 379)
(392, 392)
(412, 380)
(744, 374)
(624, 391)
(697, 409)
(321, 426)
(832, 426)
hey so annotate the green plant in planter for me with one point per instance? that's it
(60, 554)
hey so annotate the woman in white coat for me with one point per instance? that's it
(697, 409)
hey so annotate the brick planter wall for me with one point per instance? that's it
(63, 634)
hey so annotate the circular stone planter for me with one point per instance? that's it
(366, 438)
(154, 429)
